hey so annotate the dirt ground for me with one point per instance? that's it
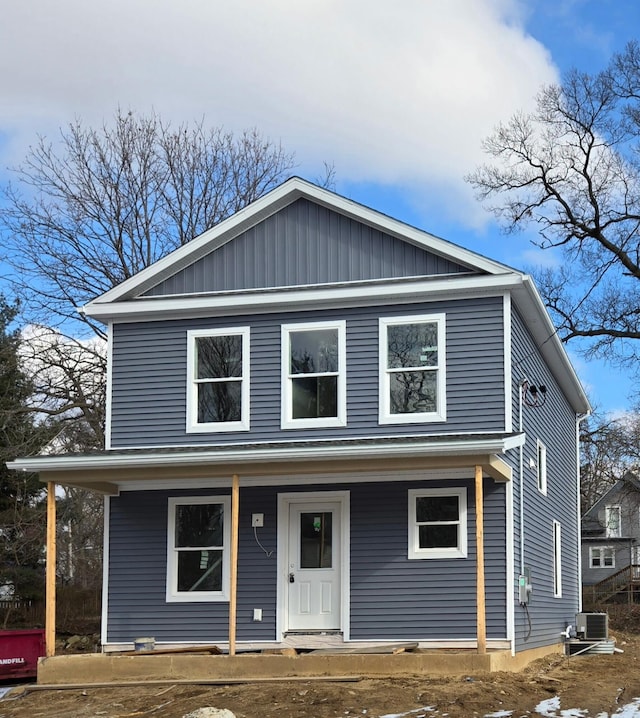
(597, 686)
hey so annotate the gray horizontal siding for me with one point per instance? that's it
(137, 603)
(554, 425)
(394, 597)
(301, 244)
(391, 596)
(148, 405)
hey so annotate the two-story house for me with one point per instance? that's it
(611, 545)
(321, 419)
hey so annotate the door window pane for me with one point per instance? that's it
(316, 540)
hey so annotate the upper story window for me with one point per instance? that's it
(198, 544)
(437, 523)
(313, 375)
(218, 380)
(613, 522)
(541, 467)
(412, 369)
(602, 557)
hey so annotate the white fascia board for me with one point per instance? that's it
(315, 297)
(537, 319)
(239, 456)
(269, 204)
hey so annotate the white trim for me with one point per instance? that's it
(541, 467)
(413, 549)
(282, 479)
(172, 594)
(105, 571)
(286, 419)
(272, 202)
(193, 426)
(508, 371)
(285, 500)
(304, 297)
(384, 409)
(510, 570)
(109, 387)
(292, 439)
(557, 559)
(242, 456)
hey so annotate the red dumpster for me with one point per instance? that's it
(19, 653)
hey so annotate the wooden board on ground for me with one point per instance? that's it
(187, 649)
(390, 648)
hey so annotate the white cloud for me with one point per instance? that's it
(395, 93)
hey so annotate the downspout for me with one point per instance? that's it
(579, 418)
(521, 474)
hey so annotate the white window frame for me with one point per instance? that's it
(384, 403)
(557, 559)
(175, 596)
(607, 524)
(414, 550)
(286, 413)
(541, 467)
(600, 552)
(193, 426)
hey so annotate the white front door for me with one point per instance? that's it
(313, 566)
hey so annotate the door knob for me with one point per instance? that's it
(292, 578)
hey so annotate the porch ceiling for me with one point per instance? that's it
(111, 471)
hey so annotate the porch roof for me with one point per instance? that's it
(111, 470)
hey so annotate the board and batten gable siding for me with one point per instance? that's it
(392, 597)
(304, 244)
(149, 375)
(554, 424)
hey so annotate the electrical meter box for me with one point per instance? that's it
(524, 587)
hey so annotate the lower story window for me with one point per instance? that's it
(198, 535)
(602, 557)
(437, 523)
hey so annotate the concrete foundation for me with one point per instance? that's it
(110, 668)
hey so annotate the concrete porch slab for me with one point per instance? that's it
(112, 668)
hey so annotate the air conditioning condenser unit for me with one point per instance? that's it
(592, 626)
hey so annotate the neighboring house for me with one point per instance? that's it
(393, 417)
(610, 545)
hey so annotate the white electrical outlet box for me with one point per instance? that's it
(257, 520)
(257, 614)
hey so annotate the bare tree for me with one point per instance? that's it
(572, 168)
(86, 213)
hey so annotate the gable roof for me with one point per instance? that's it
(628, 481)
(134, 300)
(279, 198)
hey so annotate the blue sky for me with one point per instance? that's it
(398, 96)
